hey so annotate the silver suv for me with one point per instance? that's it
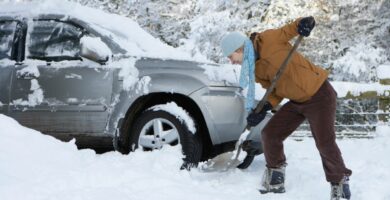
(52, 82)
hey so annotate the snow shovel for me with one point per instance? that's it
(229, 160)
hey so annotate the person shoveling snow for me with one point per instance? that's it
(311, 97)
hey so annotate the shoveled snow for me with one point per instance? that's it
(35, 166)
(178, 112)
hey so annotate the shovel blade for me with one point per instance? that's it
(221, 163)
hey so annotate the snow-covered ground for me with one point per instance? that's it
(35, 166)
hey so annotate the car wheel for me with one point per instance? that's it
(155, 129)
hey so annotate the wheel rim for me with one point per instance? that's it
(157, 133)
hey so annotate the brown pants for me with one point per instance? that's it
(320, 112)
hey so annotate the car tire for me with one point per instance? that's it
(144, 135)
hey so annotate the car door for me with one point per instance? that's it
(55, 90)
(9, 38)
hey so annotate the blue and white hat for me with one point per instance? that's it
(231, 42)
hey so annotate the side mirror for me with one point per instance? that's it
(93, 48)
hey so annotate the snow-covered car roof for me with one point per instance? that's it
(122, 30)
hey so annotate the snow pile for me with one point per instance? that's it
(45, 168)
(178, 112)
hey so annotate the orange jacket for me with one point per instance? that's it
(300, 80)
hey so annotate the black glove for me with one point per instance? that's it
(305, 26)
(254, 118)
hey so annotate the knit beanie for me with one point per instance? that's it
(231, 42)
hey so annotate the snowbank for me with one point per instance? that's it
(35, 166)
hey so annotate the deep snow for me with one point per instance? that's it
(35, 166)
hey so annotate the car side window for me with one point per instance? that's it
(54, 41)
(7, 32)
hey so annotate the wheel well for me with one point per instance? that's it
(152, 99)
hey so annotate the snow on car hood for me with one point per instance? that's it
(122, 30)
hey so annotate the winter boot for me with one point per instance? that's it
(340, 190)
(273, 180)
